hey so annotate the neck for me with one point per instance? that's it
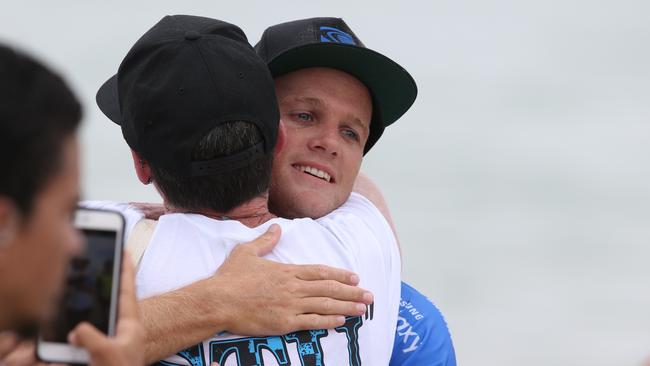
(252, 213)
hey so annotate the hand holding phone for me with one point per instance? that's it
(127, 347)
(100, 291)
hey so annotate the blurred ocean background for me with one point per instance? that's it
(519, 181)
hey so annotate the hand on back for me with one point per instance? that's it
(270, 298)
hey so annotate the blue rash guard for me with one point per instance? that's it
(422, 337)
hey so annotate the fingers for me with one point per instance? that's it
(336, 290)
(266, 242)
(327, 306)
(309, 272)
(22, 355)
(313, 321)
(8, 341)
(128, 304)
(151, 211)
(88, 337)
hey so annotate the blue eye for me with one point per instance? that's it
(304, 116)
(351, 134)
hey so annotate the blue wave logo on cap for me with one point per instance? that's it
(334, 35)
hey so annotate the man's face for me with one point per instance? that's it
(326, 114)
(34, 260)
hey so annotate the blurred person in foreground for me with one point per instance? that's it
(39, 189)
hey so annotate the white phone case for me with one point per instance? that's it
(99, 220)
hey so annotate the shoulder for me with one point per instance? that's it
(359, 221)
(357, 204)
(422, 336)
(131, 214)
(358, 210)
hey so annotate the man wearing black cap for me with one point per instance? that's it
(198, 109)
(326, 81)
(324, 77)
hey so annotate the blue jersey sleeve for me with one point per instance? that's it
(422, 337)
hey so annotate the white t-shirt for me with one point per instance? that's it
(185, 248)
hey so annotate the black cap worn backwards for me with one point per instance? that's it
(329, 42)
(184, 77)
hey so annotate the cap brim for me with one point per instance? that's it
(108, 101)
(391, 86)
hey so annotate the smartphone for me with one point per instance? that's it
(91, 289)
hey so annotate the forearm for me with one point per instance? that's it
(179, 319)
(251, 296)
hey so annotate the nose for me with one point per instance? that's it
(327, 141)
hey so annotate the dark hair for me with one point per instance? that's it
(37, 113)
(219, 192)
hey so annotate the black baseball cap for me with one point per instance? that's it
(184, 77)
(329, 42)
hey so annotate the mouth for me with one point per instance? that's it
(314, 172)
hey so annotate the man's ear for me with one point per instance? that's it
(282, 138)
(142, 168)
(8, 221)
